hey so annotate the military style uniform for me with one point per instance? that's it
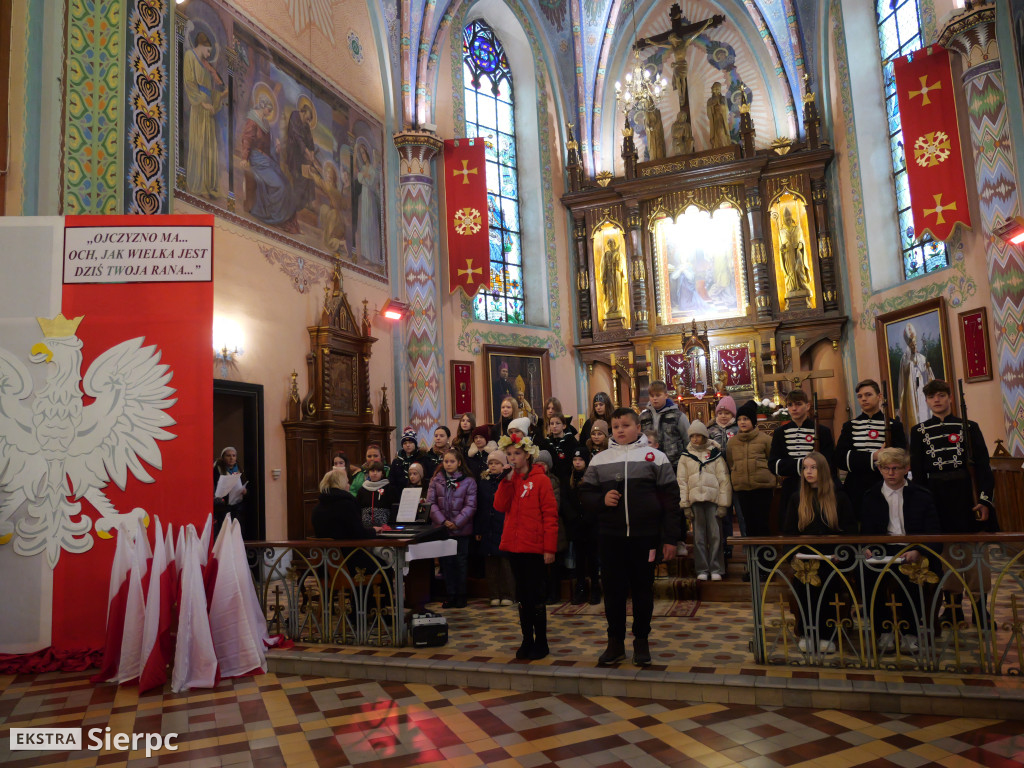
(859, 439)
(938, 460)
(790, 444)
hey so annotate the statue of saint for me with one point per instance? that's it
(682, 135)
(718, 118)
(612, 278)
(655, 134)
(794, 265)
(678, 40)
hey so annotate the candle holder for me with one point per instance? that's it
(777, 396)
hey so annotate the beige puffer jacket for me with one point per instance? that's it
(703, 475)
(747, 454)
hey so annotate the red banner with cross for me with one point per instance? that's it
(465, 173)
(931, 142)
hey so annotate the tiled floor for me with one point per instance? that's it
(301, 721)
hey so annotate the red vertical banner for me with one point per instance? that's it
(469, 260)
(138, 298)
(931, 142)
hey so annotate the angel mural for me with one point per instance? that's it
(366, 164)
(207, 94)
(58, 450)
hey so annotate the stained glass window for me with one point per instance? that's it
(899, 33)
(490, 113)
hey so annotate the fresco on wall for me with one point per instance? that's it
(266, 143)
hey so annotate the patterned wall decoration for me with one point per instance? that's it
(92, 106)
(474, 334)
(957, 286)
(974, 38)
(304, 273)
(147, 106)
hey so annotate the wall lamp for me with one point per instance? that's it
(228, 341)
(395, 310)
(1012, 231)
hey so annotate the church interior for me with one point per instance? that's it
(715, 194)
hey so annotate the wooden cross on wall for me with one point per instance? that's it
(798, 375)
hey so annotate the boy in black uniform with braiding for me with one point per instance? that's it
(938, 460)
(860, 440)
(794, 440)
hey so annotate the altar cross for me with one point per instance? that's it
(798, 375)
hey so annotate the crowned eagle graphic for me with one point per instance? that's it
(57, 451)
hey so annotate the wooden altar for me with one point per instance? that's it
(336, 414)
(761, 287)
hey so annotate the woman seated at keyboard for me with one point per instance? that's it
(338, 515)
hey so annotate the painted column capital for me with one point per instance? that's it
(417, 148)
(972, 34)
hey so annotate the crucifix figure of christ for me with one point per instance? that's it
(678, 39)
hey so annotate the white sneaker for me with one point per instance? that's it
(702, 577)
(507, 602)
(681, 549)
(909, 644)
(802, 644)
(495, 602)
(716, 577)
(886, 642)
(826, 646)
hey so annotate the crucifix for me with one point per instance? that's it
(678, 39)
(798, 375)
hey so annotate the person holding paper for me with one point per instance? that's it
(229, 488)
(818, 509)
(895, 507)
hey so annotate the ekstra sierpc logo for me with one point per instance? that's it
(70, 740)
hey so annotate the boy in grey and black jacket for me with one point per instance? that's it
(632, 491)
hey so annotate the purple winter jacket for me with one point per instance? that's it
(457, 504)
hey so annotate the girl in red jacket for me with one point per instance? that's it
(530, 538)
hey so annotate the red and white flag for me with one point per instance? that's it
(195, 661)
(156, 632)
(130, 664)
(239, 645)
(465, 184)
(117, 600)
(931, 142)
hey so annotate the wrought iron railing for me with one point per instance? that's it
(822, 601)
(329, 592)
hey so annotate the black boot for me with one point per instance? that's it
(641, 652)
(526, 623)
(540, 633)
(614, 653)
(595, 591)
(579, 595)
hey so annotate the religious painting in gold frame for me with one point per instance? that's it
(791, 246)
(610, 275)
(699, 263)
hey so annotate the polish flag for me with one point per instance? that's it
(117, 599)
(195, 660)
(205, 539)
(130, 664)
(157, 627)
(239, 643)
(210, 571)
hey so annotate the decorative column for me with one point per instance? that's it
(826, 262)
(973, 35)
(637, 268)
(419, 260)
(579, 239)
(147, 148)
(758, 255)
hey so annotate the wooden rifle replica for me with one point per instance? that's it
(885, 413)
(965, 433)
(814, 414)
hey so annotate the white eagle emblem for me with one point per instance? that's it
(57, 450)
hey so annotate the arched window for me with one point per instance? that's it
(899, 33)
(490, 114)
